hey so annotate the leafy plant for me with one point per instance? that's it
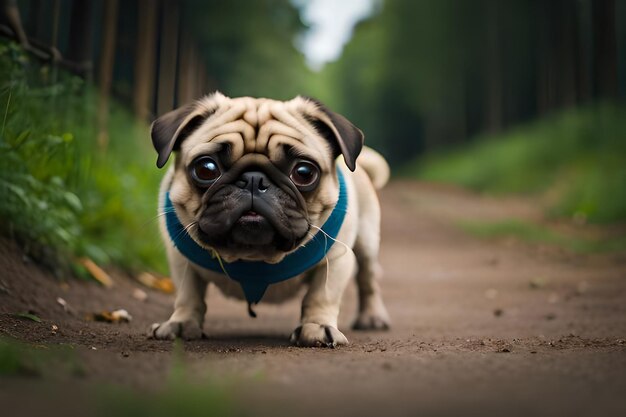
(576, 158)
(62, 195)
(37, 160)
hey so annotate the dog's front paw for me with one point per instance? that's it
(170, 330)
(317, 335)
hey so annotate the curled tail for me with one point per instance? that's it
(375, 166)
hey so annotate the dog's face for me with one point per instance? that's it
(254, 178)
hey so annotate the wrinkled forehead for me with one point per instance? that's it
(257, 125)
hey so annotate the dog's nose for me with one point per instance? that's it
(255, 181)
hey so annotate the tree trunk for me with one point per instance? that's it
(493, 68)
(584, 83)
(604, 49)
(168, 58)
(187, 70)
(145, 59)
(547, 49)
(11, 12)
(35, 20)
(568, 51)
(107, 60)
(80, 48)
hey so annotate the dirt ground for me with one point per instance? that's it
(479, 328)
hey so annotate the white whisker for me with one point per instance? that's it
(327, 236)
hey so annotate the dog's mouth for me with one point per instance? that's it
(251, 216)
(244, 231)
(252, 229)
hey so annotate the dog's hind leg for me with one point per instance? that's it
(372, 313)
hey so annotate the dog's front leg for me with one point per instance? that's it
(189, 308)
(320, 307)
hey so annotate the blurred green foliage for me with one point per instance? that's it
(39, 162)
(182, 393)
(15, 359)
(185, 393)
(22, 359)
(422, 76)
(62, 196)
(250, 47)
(540, 234)
(181, 398)
(576, 158)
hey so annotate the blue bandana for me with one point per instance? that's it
(255, 276)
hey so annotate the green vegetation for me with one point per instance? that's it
(535, 234)
(21, 359)
(15, 359)
(180, 398)
(249, 46)
(575, 159)
(182, 393)
(62, 195)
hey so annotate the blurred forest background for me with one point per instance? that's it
(522, 96)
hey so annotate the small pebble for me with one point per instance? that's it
(139, 294)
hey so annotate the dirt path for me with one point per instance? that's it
(480, 327)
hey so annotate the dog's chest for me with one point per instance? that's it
(275, 293)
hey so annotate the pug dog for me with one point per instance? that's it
(265, 197)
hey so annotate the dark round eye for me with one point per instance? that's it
(305, 175)
(205, 171)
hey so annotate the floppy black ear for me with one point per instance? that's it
(345, 138)
(169, 130)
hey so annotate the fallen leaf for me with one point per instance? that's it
(162, 284)
(96, 272)
(117, 316)
(4, 288)
(66, 307)
(28, 316)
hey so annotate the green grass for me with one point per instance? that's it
(22, 359)
(62, 196)
(181, 393)
(536, 234)
(578, 157)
